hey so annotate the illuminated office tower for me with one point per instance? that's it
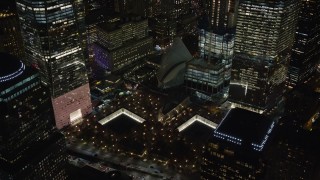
(221, 14)
(10, 35)
(211, 74)
(264, 38)
(53, 39)
(306, 49)
(182, 7)
(79, 10)
(30, 146)
(165, 31)
(121, 43)
(171, 8)
(170, 19)
(216, 50)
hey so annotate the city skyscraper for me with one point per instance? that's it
(10, 35)
(30, 146)
(159, 89)
(53, 38)
(170, 19)
(221, 14)
(171, 8)
(306, 49)
(216, 48)
(211, 75)
(121, 43)
(92, 6)
(165, 30)
(237, 148)
(126, 7)
(264, 38)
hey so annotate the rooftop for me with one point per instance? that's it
(116, 23)
(245, 128)
(10, 67)
(203, 65)
(108, 27)
(173, 64)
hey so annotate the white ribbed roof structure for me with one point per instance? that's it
(173, 65)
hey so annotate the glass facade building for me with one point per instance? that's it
(165, 30)
(204, 78)
(30, 146)
(216, 49)
(53, 37)
(221, 14)
(306, 49)
(211, 74)
(170, 19)
(121, 43)
(264, 38)
(171, 8)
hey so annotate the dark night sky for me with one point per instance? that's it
(7, 4)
